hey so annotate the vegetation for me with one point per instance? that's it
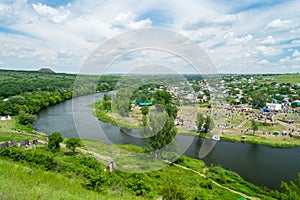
(254, 125)
(50, 169)
(54, 141)
(88, 175)
(204, 124)
(159, 128)
(73, 143)
(25, 93)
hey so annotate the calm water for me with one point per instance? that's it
(258, 164)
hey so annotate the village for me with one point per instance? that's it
(234, 103)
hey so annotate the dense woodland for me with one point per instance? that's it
(25, 93)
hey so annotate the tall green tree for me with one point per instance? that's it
(26, 118)
(73, 143)
(200, 121)
(208, 124)
(53, 141)
(159, 132)
(254, 126)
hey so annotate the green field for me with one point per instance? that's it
(284, 78)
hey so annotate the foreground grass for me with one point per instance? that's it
(18, 181)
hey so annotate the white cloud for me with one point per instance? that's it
(127, 21)
(268, 51)
(70, 33)
(263, 62)
(279, 25)
(269, 40)
(215, 20)
(56, 15)
(285, 60)
(296, 53)
(64, 53)
(296, 42)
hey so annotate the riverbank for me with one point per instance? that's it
(254, 139)
(247, 138)
(234, 134)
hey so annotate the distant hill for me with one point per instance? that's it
(46, 70)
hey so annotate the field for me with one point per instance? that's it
(284, 78)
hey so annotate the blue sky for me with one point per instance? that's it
(248, 36)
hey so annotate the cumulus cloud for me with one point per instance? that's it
(56, 15)
(71, 32)
(296, 53)
(127, 21)
(279, 25)
(269, 40)
(263, 62)
(285, 60)
(268, 51)
(220, 21)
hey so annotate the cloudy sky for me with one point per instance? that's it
(247, 36)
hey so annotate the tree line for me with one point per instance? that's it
(24, 94)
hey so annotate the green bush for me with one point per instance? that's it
(138, 185)
(36, 157)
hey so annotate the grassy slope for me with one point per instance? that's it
(18, 181)
(11, 130)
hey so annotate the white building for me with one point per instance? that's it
(274, 106)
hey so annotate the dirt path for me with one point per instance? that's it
(214, 182)
(99, 157)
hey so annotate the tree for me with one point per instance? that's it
(120, 102)
(26, 118)
(159, 132)
(162, 97)
(72, 143)
(145, 110)
(209, 124)
(260, 98)
(254, 126)
(200, 121)
(53, 141)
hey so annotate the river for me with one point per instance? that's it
(258, 164)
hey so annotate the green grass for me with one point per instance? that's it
(102, 116)
(4, 137)
(277, 127)
(254, 139)
(285, 78)
(18, 181)
(235, 182)
(68, 174)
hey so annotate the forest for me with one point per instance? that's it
(25, 93)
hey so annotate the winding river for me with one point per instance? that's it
(258, 164)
